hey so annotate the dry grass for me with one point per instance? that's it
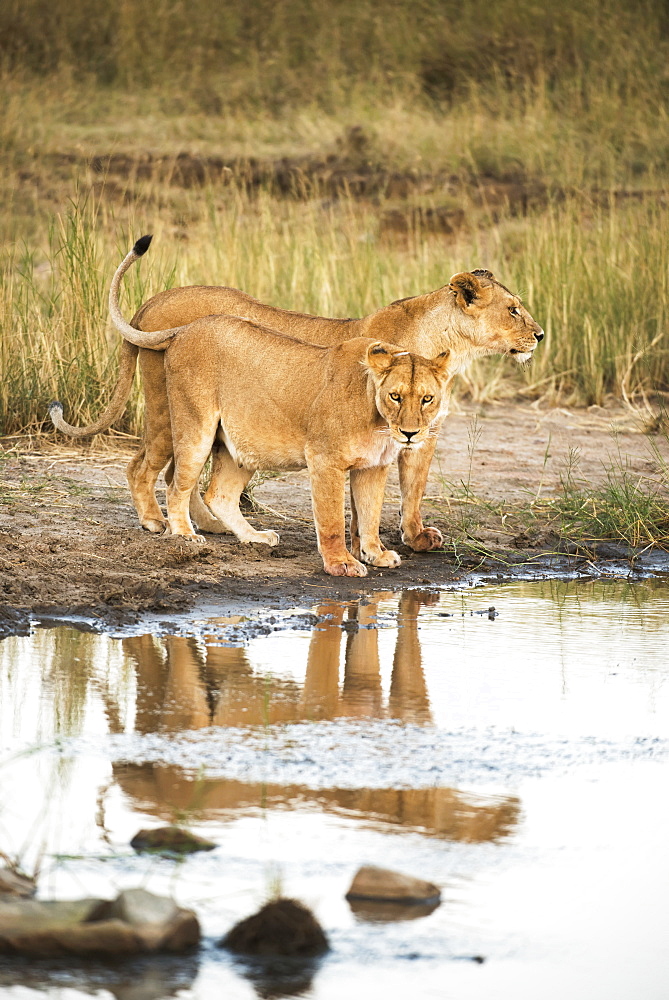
(594, 276)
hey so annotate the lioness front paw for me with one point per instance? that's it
(387, 559)
(187, 536)
(270, 538)
(345, 567)
(155, 526)
(426, 540)
(198, 539)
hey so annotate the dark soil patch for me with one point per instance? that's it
(87, 556)
(354, 170)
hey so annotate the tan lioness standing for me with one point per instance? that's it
(472, 316)
(258, 399)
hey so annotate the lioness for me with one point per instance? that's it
(258, 399)
(472, 316)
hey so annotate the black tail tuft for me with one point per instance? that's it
(142, 245)
(55, 405)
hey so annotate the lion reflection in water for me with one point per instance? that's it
(182, 687)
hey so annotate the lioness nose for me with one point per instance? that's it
(408, 434)
(539, 334)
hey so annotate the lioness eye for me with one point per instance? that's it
(428, 399)
(514, 311)
(396, 396)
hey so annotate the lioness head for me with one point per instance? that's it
(408, 389)
(500, 323)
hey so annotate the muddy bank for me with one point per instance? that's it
(116, 572)
(70, 541)
(353, 170)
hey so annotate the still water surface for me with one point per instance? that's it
(517, 757)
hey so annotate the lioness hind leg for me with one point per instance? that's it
(157, 448)
(202, 516)
(199, 512)
(222, 497)
(142, 472)
(190, 453)
(367, 491)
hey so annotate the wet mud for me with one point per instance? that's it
(70, 542)
(114, 574)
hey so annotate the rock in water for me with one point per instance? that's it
(156, 920)
(283, 927)
(371, 882)
(170, 840)
(136, 922)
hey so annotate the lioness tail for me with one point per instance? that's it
(116, 404)
(142, 245)
(127, 364)
(126, 374)
(159, 339)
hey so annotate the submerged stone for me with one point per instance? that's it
(136, 922)
(380, 911)
(371, 882)
(170, 840)
(283, 927)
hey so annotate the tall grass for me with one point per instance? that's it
(596, 278)
(53, 320)
(624, 510)
(566, 105)
(574, 94)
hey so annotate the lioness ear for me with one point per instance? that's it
(442, 364)
(466, 286)
(481, 272)
(381, 356)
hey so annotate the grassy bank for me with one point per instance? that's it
(627, 512)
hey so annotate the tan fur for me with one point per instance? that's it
(258, 399)
(470, 317)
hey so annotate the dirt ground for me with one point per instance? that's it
(70, 540)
